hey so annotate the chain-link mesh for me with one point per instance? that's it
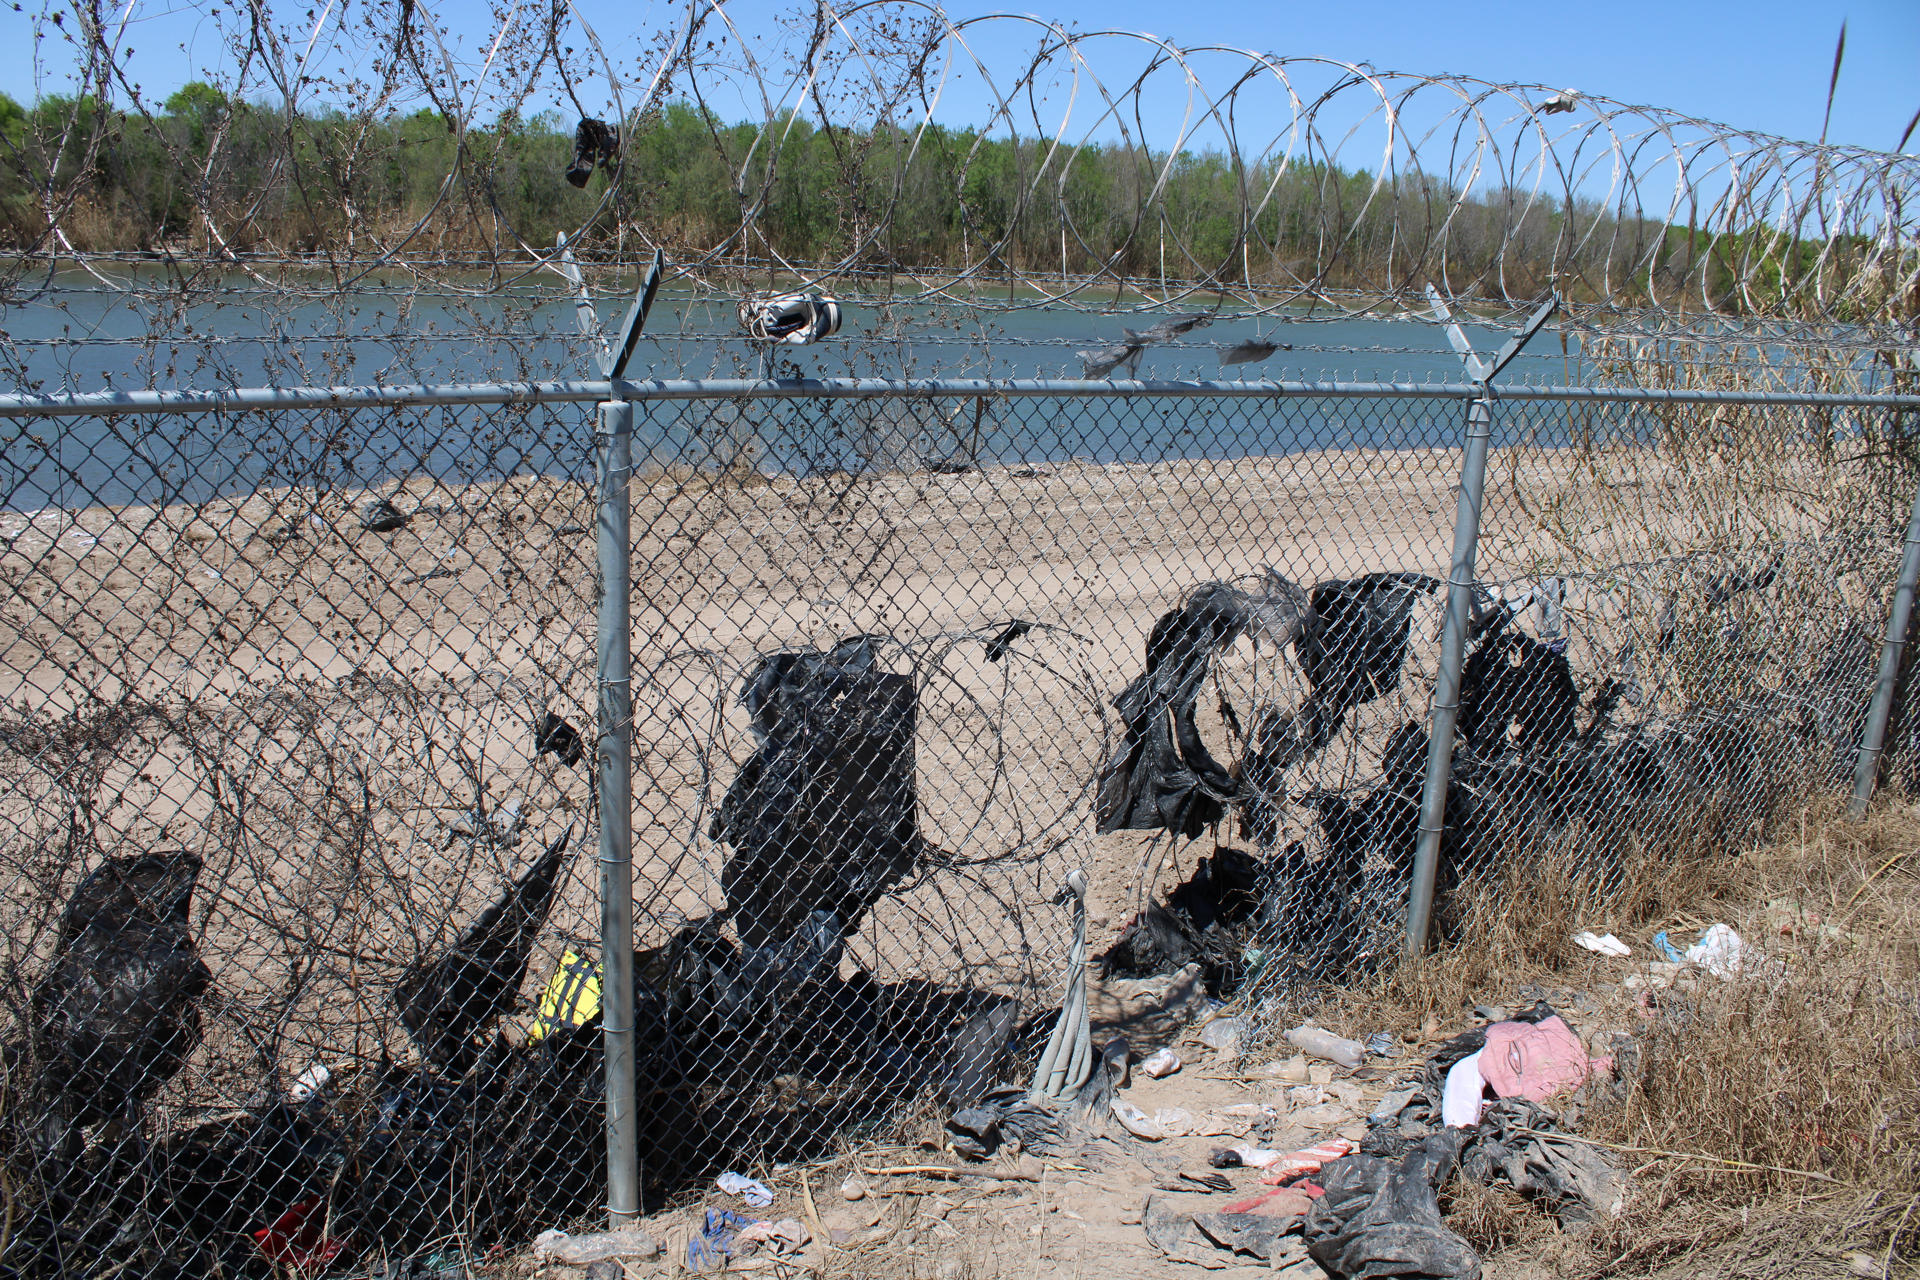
(302, 954)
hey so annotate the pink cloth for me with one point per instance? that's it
(1282, 1202)
(1305, 1160)
(1536, 1060)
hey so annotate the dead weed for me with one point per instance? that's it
(1773, 1122)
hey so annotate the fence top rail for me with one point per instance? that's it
(252, 399)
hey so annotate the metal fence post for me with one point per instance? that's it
(1446, 689)
(1866, 765)
(613, 761)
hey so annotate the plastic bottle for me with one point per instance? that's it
(1324, 1044)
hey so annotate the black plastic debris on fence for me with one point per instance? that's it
(1516, 691)
(1201, 920)
(553, 736)
(449, 999)
(595, 145)
(824, 815)
(1163, 776)
(1352, 650)
(1531, 774)
(118, 1010)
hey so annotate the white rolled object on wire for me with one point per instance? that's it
(1068, 1060)
(790, 317)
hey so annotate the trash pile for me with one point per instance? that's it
(1342, 1170)
(749, 1030)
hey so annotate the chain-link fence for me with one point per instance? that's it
(300, 720)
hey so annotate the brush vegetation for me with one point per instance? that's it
(202, 172)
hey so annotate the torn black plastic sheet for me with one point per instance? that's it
(1202, 920)
(1163, 776)
(823, 817)
(447, 1001)
(1382, 1217)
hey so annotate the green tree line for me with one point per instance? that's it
(205, 173)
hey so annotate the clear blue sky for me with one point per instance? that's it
(1757, 64)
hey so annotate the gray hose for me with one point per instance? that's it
(1068, 1060)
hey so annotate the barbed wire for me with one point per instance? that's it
(992, 164)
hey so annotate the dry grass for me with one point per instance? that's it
(1808, 1066)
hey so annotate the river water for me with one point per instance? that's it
(85, 336)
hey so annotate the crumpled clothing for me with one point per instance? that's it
(717, 1240)
(1306, 1160)
(1382, 1218)
(1281, 1202)
(1464, 1093)
(1517, 1141)
(1008, 1114)
(296, 1239)
(1536, 1061)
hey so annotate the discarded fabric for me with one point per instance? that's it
(1465, 1093)
(1667, 948)
(1603, 943)
(1160, 1063)
(757, 1194)
(1009, 1114)
(1519, 1141)
(1514, 1140)
(1306, 1160)
(1382, 1218)
(710, 1250)
(1536, 1061)
(1721, 951)
(974, 1132)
